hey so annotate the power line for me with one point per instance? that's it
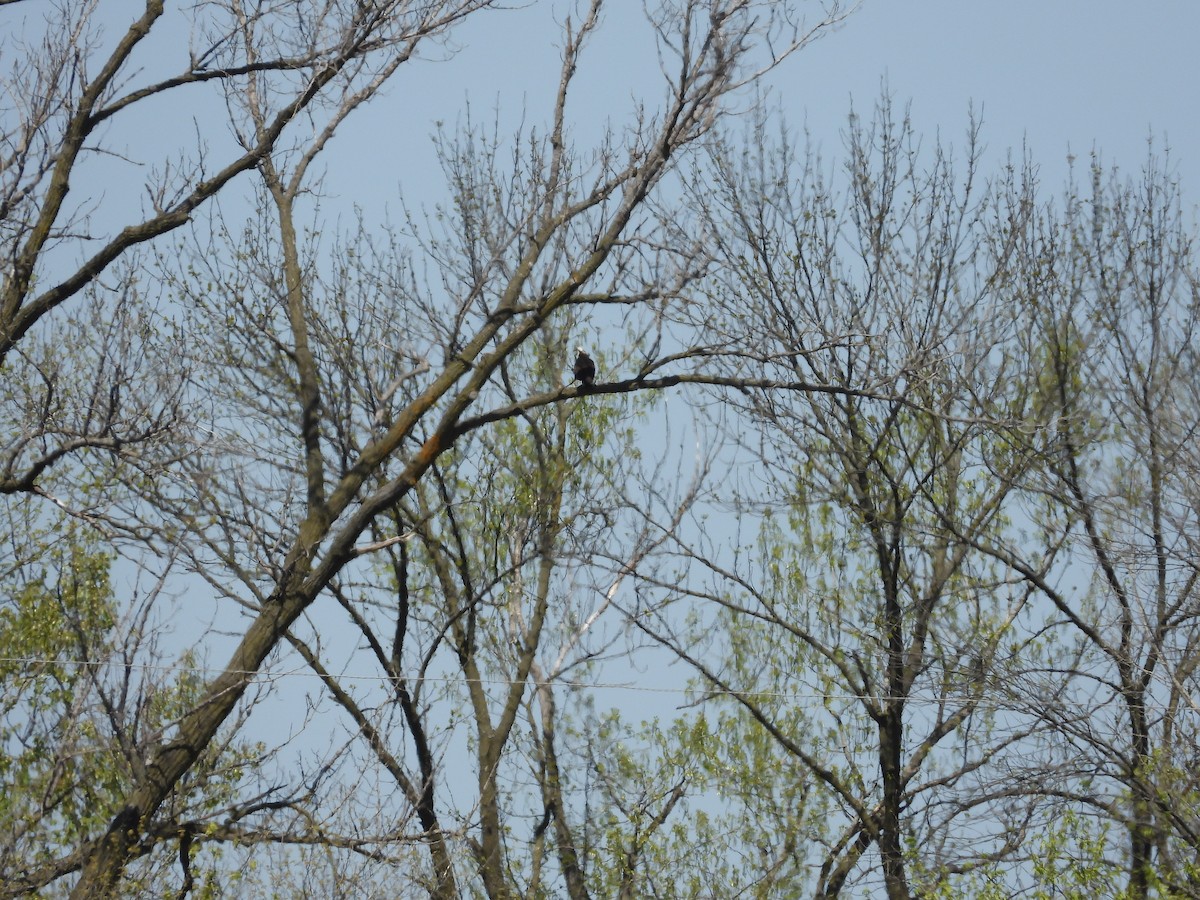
(692, 693)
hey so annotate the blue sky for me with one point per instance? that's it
(1052, 73)
(1056, 75)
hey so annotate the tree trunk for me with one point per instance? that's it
(891, 848)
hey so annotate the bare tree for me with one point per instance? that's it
(958, 404)
(863, 628)
(1114, 325)
(273, 521)
(76, 91)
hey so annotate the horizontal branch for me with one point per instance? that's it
(630, 385)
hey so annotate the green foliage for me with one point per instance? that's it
(57, 783)
(69, 732)
(736, 829)
(1070, 861)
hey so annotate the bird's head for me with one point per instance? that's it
(581, 350)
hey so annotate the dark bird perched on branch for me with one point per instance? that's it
(585, 367)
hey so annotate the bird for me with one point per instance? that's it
(585, 367)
